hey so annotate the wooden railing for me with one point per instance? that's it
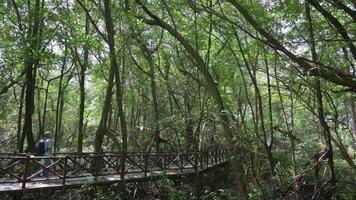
(28, 169)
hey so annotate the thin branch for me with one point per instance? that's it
(6, 88)
(92, 21)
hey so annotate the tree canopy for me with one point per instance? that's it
(274, 81)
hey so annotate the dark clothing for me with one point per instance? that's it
(41, 147)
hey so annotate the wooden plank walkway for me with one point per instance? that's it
(24, 173)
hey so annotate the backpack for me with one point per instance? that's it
(41, 147)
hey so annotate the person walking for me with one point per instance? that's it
(41, 147)
(40, 152)
(48, 149)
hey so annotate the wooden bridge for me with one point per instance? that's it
(69, 170)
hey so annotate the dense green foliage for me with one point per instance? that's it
(273, 80)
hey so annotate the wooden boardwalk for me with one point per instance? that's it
(26, 172)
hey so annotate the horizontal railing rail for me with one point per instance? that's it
(24, 169)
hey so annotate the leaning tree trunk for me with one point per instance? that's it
(114, 64)
(156, 113)
(113, 73)
(320, 109)
(326, 131)
(258, 107)
(332, 75)
(102, 128)
(228, 124)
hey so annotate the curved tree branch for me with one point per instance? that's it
(335, 76)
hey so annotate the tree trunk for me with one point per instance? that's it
(152, 76)
(83, 68)
(326, 130)
(115, 68)
(60, 114)
(289, 129)
(19, 137)
(353, 116)
(39, 115)
(321, 116)
(58, 106)
(155, 104)
(121, 113)
(332, 75)
(212, 87)
(29, 107)
(31, 69)
(258, 107)
(270, 145)
(102, 128)
(189, 132)
(337, 25)
(43, 127)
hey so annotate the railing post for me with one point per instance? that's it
(117, 163)
(215, 155)
(207, 158)
(65, 170)
(123, 160)
(181, 161)
(201, 159)
(219, 150)
(145, 164)
(195, 160)
(97, 166)
(164, 161)
(24, 178)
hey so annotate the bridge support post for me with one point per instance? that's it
(146, 164)
(196, 167)
(27, 167)
(207, 158)
(64, 172)
(215, 152)
(165, 161)
(181, 162)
